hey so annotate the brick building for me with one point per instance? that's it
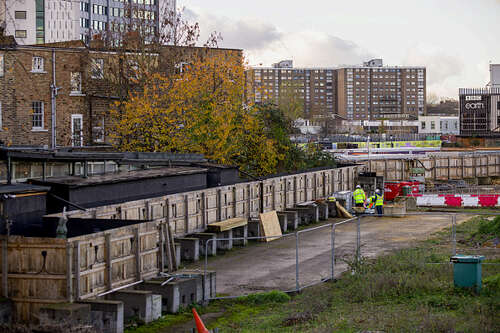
(58, 95)
(315, 87)
(368, 92)
(374, 91)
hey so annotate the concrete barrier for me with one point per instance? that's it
(142, 304)
(107, 316)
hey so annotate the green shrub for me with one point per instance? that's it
(491, 228)
(269, 297)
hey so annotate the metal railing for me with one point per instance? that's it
(333, 230)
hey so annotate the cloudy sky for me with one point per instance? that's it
(454, 39)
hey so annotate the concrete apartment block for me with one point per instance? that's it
(139, 303)
(107, 316)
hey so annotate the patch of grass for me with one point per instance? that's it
(164, 321)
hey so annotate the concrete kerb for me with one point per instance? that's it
(333, 226)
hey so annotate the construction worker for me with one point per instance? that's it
(331, 199)
(379, 202)
(359, 196)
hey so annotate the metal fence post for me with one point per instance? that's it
(358, 238)
(333, 251)
(454, 234)
(297, 284)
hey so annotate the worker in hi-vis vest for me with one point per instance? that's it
(359, 196)
(379, 202)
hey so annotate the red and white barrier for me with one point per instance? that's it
(457, 200)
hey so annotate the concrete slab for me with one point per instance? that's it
(70, 314)
(178, 293)
(138, 303)
(208, 280)
(107, 316)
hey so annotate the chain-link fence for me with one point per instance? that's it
(310, 256)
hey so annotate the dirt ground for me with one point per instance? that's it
(271, 266)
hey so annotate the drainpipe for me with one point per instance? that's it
(53, 90)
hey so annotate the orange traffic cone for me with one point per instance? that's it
(199, 324)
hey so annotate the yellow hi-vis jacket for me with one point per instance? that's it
(380, 200)
(359, 195)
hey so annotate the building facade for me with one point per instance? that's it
(374, 91)
(479, 111)
(59, 95)
(312, 87)
(50, 21)
(368, 92)
(438, 125)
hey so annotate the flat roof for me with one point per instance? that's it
(119, 177)
(22, 188)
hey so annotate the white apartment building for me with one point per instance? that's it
(49, 21)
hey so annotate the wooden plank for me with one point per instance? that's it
(342, 210)
(69, 272)
(270, 225)
(77, 270)
(162, 248)
(5, 268)
(228, 224)
(137, 254)
(109, 263)
(172, 249)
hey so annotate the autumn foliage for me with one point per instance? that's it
(200, 109)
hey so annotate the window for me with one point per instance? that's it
(498, 103)
(98, 131)
(37, 117)
(84, 6)
(20, 15)
(76, 82)
(97, 68)
(37, 64)
(422, 124)
(433, 125)
(84, 22)
(40, 21)
(21, 34)
(76, 130)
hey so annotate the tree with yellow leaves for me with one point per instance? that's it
(198, 110)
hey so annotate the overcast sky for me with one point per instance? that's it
(455, 39)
